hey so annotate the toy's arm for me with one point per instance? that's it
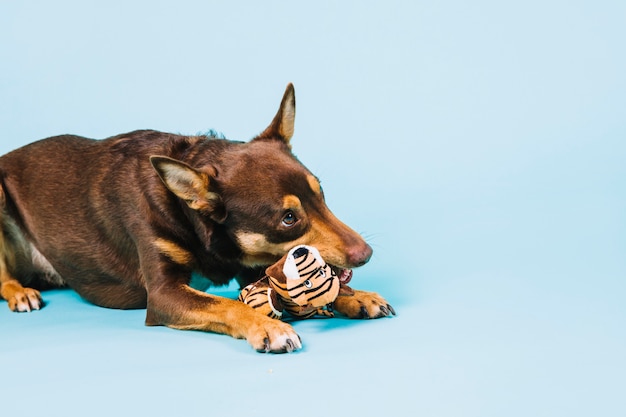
(262, 298)
(325, 311)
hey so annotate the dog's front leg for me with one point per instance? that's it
(182, 307)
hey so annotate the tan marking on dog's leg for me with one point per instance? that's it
(173, 251)
(185, 308)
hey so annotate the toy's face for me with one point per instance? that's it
(310, 281)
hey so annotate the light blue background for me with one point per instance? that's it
(479, 146)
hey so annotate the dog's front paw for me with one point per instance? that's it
(271, 335)
(22, 299)
(363, 305)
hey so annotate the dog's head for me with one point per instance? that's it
(264, 197)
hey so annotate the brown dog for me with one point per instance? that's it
(127, 220)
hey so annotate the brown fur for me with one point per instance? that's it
(125, 221)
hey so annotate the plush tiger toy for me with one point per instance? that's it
(300, 283)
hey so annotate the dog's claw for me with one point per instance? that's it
(266, 346)
(290, 346)
(386, 311)
(364, 314)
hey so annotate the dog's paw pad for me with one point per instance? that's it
(363, 305)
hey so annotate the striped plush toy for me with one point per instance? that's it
(300, 283)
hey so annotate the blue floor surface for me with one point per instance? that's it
(484, 347)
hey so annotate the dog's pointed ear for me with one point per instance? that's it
(283, 124)
(190, 185)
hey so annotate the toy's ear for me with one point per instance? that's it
(276, 303)
(276, 270)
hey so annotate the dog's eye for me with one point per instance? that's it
(289, 219)
(308, 283)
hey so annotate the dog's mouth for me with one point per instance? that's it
(344, 275)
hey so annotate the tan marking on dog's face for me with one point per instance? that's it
(252, 243)
(314, 184)
(291, 202)
(257, 250)
(173, 251)
(327, 234)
